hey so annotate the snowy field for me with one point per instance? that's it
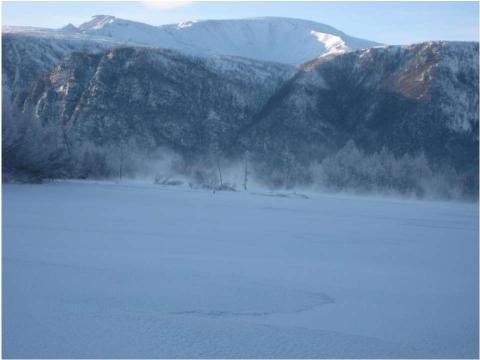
(132, 270)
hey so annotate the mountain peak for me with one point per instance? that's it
(70, 28)
(97, 22)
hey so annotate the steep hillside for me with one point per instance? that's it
(29, 55)
(419, 98)
(158, 97)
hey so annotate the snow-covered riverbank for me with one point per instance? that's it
(117, 270)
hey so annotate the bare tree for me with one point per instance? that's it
(289, 171)
(66, 140)
(215, 130)
(246, 171)
(219, 167)
(215, 154)
(121, 158)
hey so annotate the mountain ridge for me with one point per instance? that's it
(279, 39)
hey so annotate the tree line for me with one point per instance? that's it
(35, 152)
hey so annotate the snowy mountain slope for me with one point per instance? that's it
(30, 53)
(283, 40)
(156, 96)
(422, 97)
(276, 39)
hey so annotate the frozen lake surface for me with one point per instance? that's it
(132, 270)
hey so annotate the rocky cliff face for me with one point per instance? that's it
(27, 57)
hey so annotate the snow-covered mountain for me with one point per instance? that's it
(285, 40)
(30, 52)
(106, 82)
(414, 99)
(157, 96)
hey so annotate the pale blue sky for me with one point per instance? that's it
(385, 22)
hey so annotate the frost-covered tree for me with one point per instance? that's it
(92, 162)
(31, 152)
(352, 169)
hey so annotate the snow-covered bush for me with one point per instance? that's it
(91, 162)
(31, 152)
(225, 187)
(166, 180)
